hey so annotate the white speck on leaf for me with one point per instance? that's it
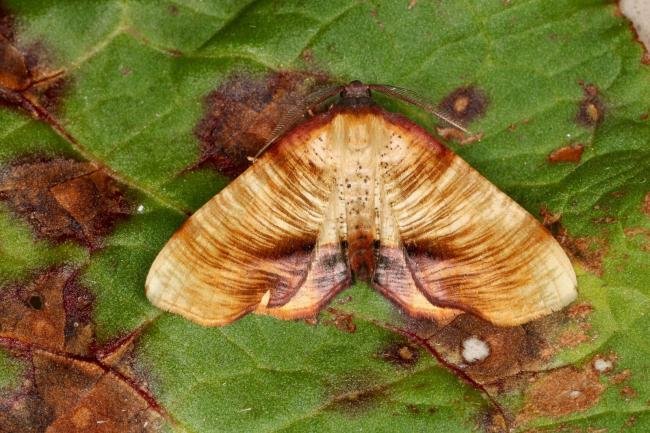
(475, 349)
(602, 365)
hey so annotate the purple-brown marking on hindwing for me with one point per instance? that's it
(396, 275)
(330, 269)
(323, 269)
(292, 273)
(418, 258)
(391, 273)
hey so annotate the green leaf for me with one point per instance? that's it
(136, 77)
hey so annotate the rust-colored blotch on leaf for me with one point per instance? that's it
(571, 153)
(64, 199)
(358, 192)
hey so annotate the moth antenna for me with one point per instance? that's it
(297, 112)
(415, 99)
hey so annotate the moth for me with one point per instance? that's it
(360, 193)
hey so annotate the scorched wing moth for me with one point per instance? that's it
(361, 193)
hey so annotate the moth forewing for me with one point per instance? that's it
(358, 192)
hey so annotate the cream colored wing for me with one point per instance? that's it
(467, 245)
(266, 243)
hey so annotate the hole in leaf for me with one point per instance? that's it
(35, 301)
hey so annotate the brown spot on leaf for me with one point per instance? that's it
(243, 112)
(605, 219)
(459, 136)
(493, 422)
(26, 83)
(561, 392)
(577, 332)
(342, 321)
(592, 110)
(620, 377)
(571, 153)
(401, 354)
(589, 251)
(307, 55)
(630, 421)
(628, 393)
(416, 410)
(642, 233)
(7, 23)
(374, 13)
(64, 395)
(431, 337)
(511, 349)
(549, 218)
(63, 199)
(355, 401)
(646, 204)
(645, 59)
(355, 395)
(464, 104)
(580, 310)
(572, 338)
(52, 311)
(13, 70)
(174, 52)
(343, 300)
(72, 386)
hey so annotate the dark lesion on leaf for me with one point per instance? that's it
(356, 393)
(591, 111)
(35, 301)
(511, 349)
(570, 153)
(26, 82)
(341, 320)
(72, 382)
(53, 311)
(492, 421)
(63, 199)
(588, 250)
(464, 104)
(517, 357)
(242, 113)
(560, 392)
(400, 353)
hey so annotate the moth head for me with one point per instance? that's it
(355, 94)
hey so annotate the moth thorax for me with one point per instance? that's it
(361, 255)
(357, 136)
